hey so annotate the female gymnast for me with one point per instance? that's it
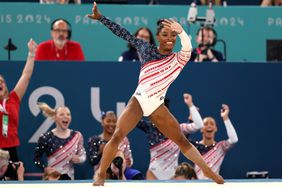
(160, 66)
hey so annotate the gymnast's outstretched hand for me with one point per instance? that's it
(96, 15)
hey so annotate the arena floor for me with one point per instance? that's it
(255, 183)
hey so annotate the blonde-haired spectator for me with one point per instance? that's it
(185, 171)
(63, 146)
(10, 170)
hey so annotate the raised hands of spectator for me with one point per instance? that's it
(201, 58)
(96, 15)
(224, 112)
(23, 82)
(188, 99)
(20, 171)
(211, 56)
(32, 46)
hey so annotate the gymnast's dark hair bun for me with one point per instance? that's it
(159, 22)
(159, 25)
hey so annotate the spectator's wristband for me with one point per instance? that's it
(31, 54)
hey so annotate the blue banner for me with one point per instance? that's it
(253, 92)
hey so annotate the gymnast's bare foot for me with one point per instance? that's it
(215, 177)
(99, 179)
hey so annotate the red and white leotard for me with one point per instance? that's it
(158, 71)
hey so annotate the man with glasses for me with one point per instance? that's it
(60, 47)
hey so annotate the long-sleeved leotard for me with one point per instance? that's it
(94, 154)
(157, 71)
(165, 153)
(214, 154)
(59, 151)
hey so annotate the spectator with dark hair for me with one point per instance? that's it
(97, 143)
(212, 151)
(185, 171)
(205, 52)
(132, 55)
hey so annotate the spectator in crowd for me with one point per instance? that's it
(53, 174)
(162, 148)
(10, 106)
(97, 143)
(60, 47)
(59, 143)
(60, 1)
(10, 170)
(160, 67)
(131, 54)
(266, 3)
(185, 171)
(214, 2)
(214, 152)
(205, 52)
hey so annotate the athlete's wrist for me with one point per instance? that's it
(101, 17)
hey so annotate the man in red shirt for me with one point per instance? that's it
(60, 48)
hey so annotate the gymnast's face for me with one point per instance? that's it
(166, 39)
(209, 128)
(109, 123)
(63, 118)
(3, 88)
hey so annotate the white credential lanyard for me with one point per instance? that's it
(5, 118)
